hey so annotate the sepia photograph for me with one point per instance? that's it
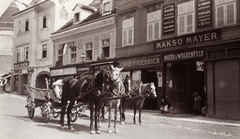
(120, 69)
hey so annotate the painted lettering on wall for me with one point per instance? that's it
(204, 13)
(169, 19)
(140, 62)
(188, 39)
(184, 55)
(65, 71)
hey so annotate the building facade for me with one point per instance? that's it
(183, 46)
(81, 45)
(33, 48)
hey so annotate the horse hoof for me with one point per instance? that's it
(62, 127)
(70, 127)
(122, 123)
(92, 132)
(109, 131)
(116, 130)
(140, 124)
(98, 131)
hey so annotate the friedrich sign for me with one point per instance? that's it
(188, 39)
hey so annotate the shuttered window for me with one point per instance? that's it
(153, 25)
(225, 13)
(128, 32)
(186, 20)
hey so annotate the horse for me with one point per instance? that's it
(137, 97)
(87, 88)
(113, 100)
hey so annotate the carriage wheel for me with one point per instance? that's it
(30, 107)
(74, 115)
(45, 112)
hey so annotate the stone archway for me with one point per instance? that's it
(40, 79)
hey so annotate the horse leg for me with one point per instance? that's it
(97, 117)
(63, 110)
(92, 131)
(123, 103)
(109, 116)
(116, 106)
(134, 114)
(68, 115)
(140, 116)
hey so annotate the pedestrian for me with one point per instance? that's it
(165, 105)
(197, 103)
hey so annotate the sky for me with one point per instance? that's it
(6, 3)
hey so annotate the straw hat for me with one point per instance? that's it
(195, 94)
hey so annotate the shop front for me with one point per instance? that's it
(20, 76)
(184, 75)
(146, 69)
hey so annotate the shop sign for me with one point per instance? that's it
(184, 55)
(82, 69)
(204, 13)
(17, 71)
(22, 64)
(66, 71)
(188, 39)
(199, 66)
(151, 61)
(169, 19)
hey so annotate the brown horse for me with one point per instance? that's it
(87, 89)
(138, 96)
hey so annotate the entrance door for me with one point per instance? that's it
(185, 81)
(179, 86)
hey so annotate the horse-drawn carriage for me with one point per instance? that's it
(49, 104)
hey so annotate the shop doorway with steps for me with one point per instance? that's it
(182, 80)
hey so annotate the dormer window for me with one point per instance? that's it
(106, 6)
(76, 17)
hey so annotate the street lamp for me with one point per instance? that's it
(83, 56)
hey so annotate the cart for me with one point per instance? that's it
(49, 104)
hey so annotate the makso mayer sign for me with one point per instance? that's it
(188, 39)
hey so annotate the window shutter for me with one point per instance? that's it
(150, 29)
(130, 36)
(181, 25)
(157, 30)
(124, 37)
(39, 51)
(190, 22)
(220, 16)
(65, 49)
(230, 13)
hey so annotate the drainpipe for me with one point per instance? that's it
(214, 93)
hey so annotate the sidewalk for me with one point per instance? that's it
(189, 118)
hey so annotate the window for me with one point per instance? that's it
(106, 7)
(76, 17)
(26, 53)
(153, 25)
(44, 21)
(186, 20)
(27, 25)
(105, 48)
(44, 51)
(225, 12)
(60, 55)
(89, 50)
(18, 55)
(127, 32)
(19, 27)
(73, 52)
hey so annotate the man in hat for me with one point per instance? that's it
(197, 103)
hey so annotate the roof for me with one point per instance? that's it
(93, 17)
(84, 7)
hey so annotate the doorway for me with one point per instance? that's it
(183, 80)
(148, 76)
